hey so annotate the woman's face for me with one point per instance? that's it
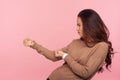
(79, 26)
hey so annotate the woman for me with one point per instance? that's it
(85, 56)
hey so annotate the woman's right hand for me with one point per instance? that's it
(28, 42)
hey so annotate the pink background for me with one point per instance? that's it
(51, 23)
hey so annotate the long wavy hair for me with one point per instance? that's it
(94, 31)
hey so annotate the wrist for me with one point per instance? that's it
(64, 55)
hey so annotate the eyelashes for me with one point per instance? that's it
(78, 25)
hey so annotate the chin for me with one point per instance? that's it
(80, 35)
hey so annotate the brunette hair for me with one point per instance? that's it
(94, 31)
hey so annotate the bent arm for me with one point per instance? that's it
(92, 66)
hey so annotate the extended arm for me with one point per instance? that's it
(42, 50)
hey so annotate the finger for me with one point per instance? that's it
(26, 43)
(60, 51)
(56, 53)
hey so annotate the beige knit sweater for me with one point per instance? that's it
(81, 63)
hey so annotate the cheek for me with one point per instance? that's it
(80, 29)
(77, 28)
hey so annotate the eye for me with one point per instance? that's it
(78, 25)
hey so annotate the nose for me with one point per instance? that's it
(77, 28)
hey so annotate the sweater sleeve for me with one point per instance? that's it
(95, 61)
(49, 54)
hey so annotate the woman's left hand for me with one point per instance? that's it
(59, 53)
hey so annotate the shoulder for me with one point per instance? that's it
(102, 45)
(76, 41)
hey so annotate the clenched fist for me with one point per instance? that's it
(59, 53)
(28, 42)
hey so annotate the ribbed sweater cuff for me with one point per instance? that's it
(69, 59)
